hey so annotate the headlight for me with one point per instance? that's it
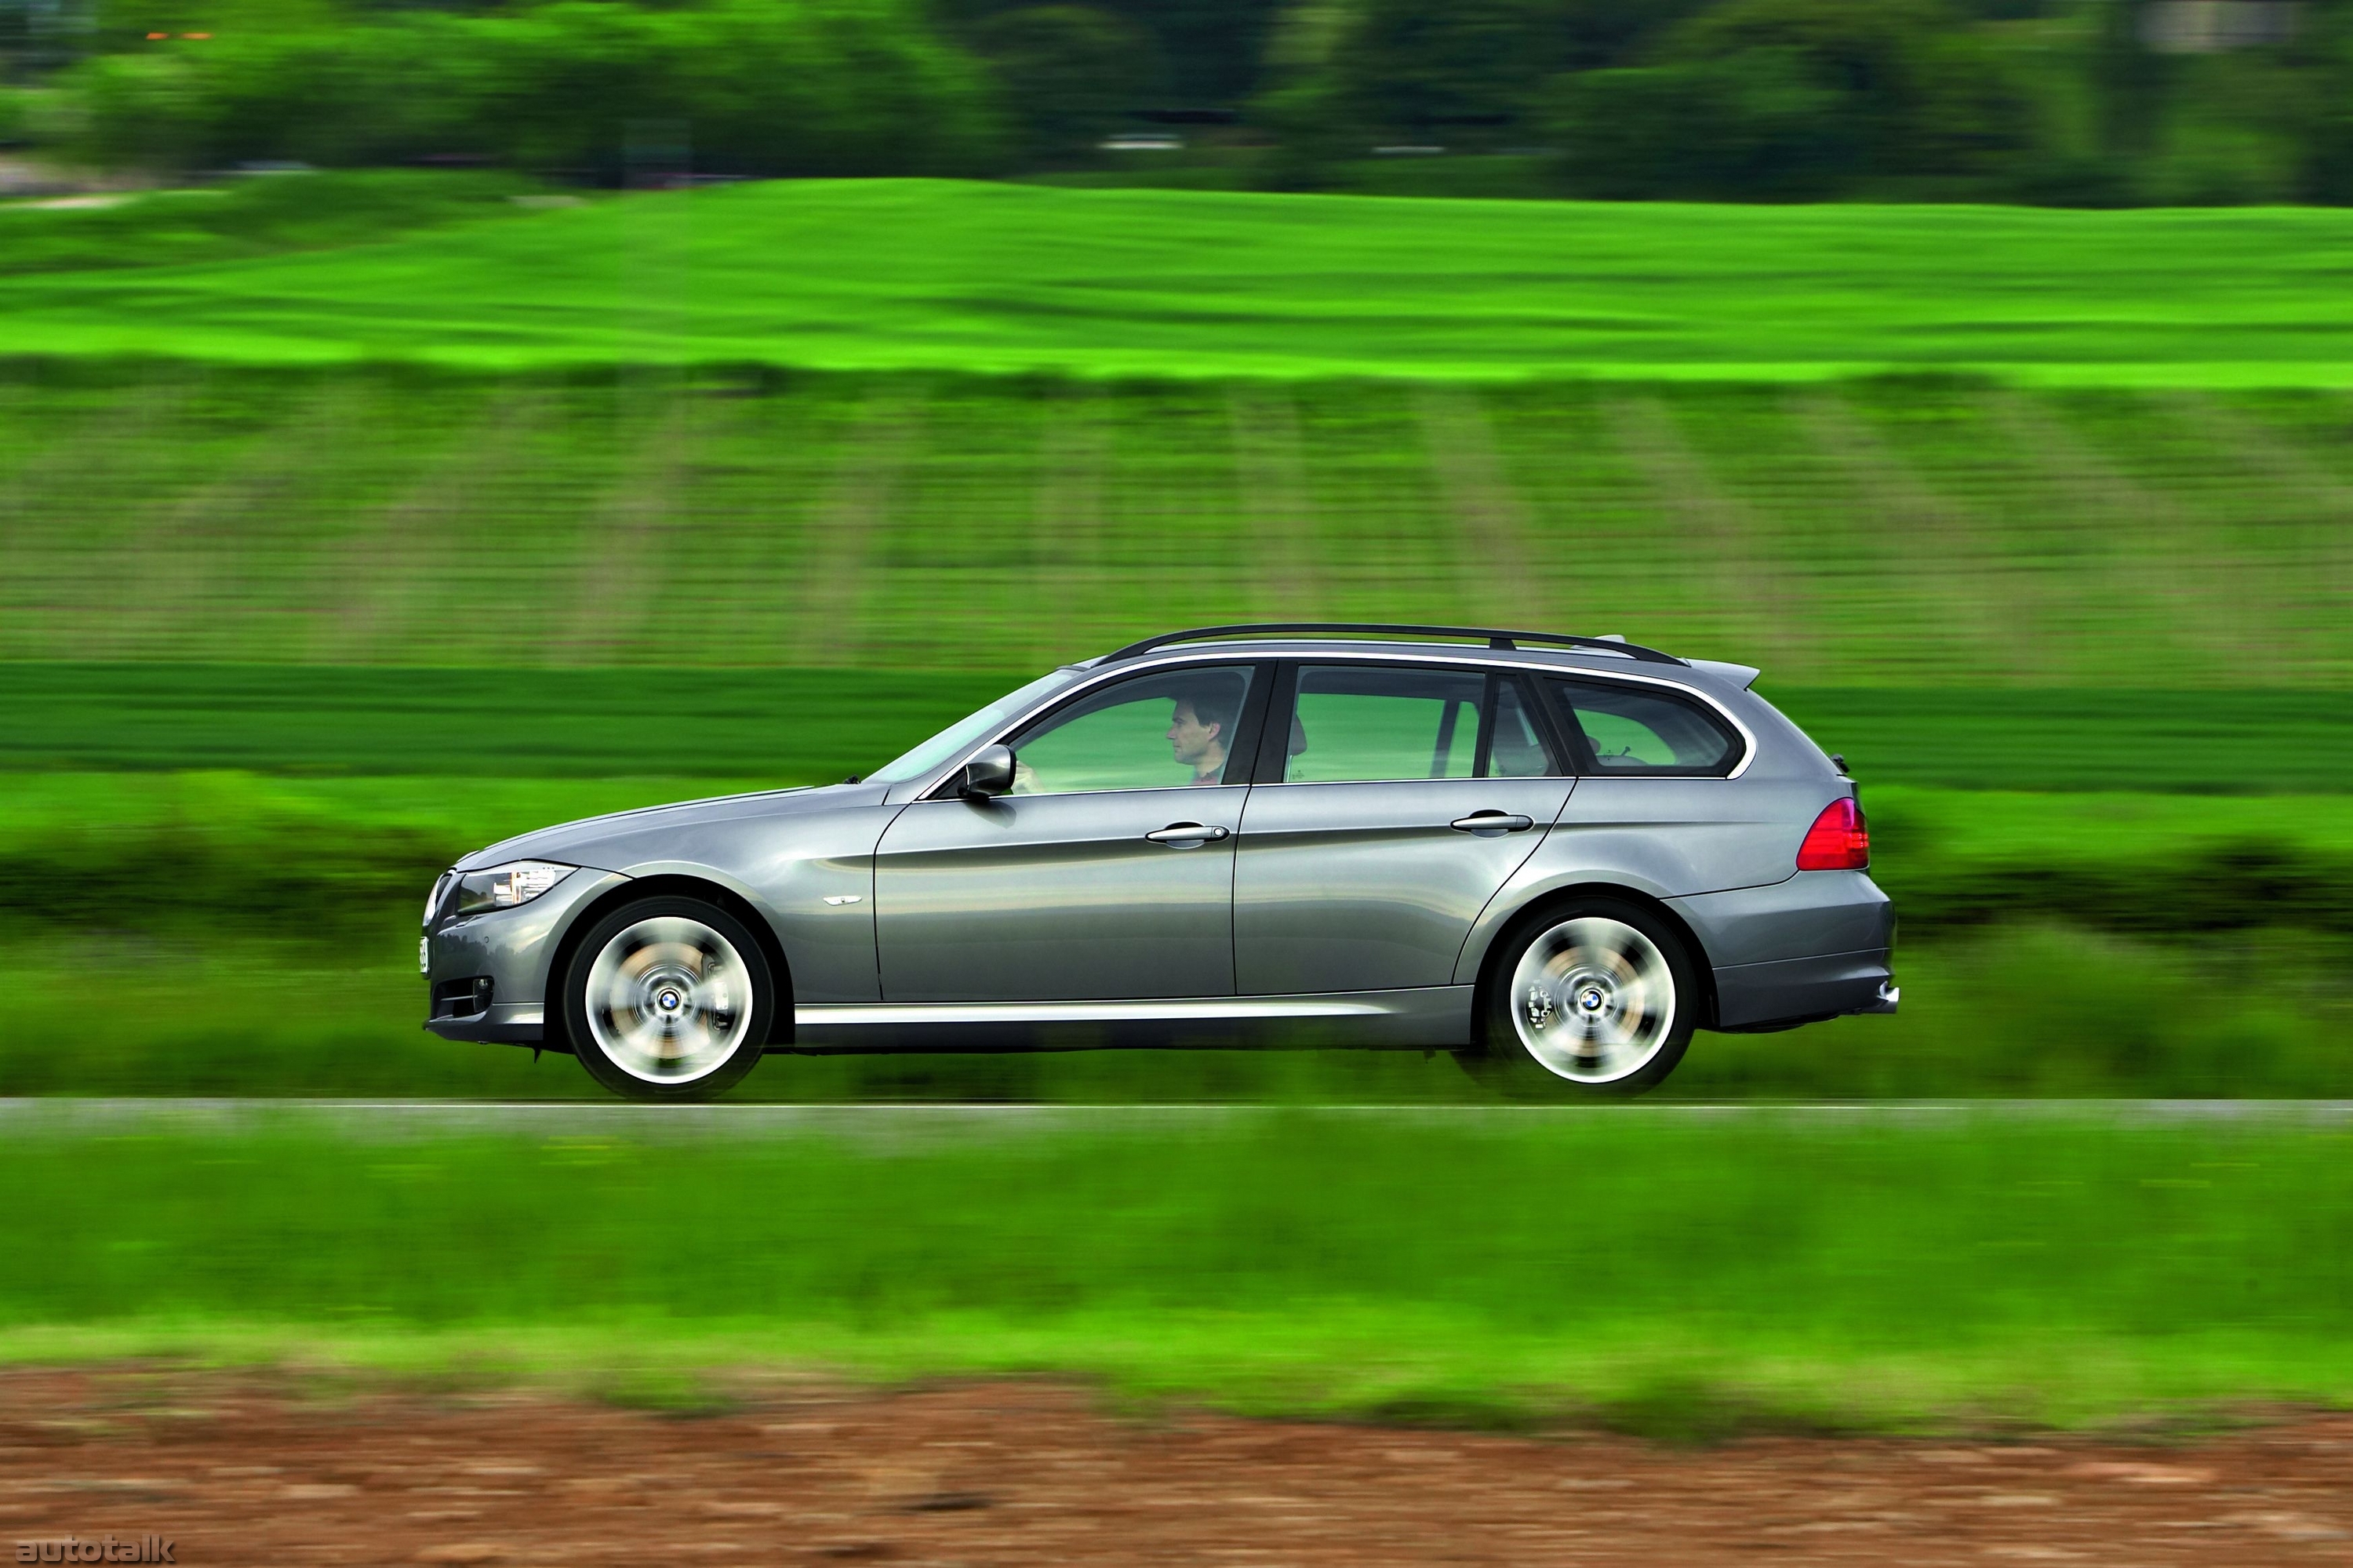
(505, 887)
(433, 899)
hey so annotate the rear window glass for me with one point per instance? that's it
(1631, 730)
(1354, 723)
(1516, 751)
(1367, 724)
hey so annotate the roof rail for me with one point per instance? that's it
(1493, 637)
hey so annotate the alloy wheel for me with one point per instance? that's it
(1593, 1000)
(668, 1000)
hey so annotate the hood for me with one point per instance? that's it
(572, 843)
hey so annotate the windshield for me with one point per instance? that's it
(966, 730)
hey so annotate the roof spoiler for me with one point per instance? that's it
(1740, 675)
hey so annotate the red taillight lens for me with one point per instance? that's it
(1837, 840)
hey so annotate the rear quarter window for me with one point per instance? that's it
(1635, 731)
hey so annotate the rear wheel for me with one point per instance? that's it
(1597, 998)
(669, 999)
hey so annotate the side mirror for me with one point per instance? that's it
(990, 772)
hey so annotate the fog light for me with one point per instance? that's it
(462, 998)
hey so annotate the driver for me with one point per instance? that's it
(1197, 737)
(1199, 721)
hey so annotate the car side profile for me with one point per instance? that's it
(1554, 857)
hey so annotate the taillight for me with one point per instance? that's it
(1837, 840)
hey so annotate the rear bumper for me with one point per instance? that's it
(1797, 990)
(1816, 946)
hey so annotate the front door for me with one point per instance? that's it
(1106, 874)
(1407, 794)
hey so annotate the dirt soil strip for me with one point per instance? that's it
(243, 1469)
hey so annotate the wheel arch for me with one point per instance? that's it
(1553, 898)
(676, 884)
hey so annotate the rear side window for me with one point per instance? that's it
(1516, 751)
(1633, 730)
(1359, 724)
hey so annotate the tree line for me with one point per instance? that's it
(2060, 101)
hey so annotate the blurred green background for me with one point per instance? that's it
(2059, 103)
(422, 423)
(419, 423)
(1683, 1273)
(287, 630)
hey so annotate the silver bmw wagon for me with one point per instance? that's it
(1554, 857)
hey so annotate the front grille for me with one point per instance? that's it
(462, 998)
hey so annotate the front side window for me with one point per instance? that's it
(1635, 731)
(1161, 731)
(1362, 723)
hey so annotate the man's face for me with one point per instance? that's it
(1189, 737)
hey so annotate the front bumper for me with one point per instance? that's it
(502, 1024)
(511, 949)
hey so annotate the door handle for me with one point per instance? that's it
(1187, 833)
(1490, 821)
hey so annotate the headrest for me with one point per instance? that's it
(1298, 735)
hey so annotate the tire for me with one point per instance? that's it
(1588, 1000)
(669, 999)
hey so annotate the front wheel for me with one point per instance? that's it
(669, 999)
(1595, 997)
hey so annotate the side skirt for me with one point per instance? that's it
(1424, 1018)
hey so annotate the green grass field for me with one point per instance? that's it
(902, 274)
(276, 855)
(412, 613)
(245, 219)
(347, 525)
(254, 934)
(2025, 1007)
(1867, 535)
(280, 638)
(766, 728)
(1671, 1275)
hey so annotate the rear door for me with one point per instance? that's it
(1658, 796)
(1393, 800)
